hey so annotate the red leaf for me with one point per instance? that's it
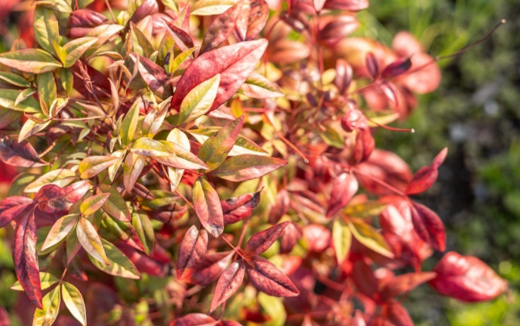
(208, 208)
(238, 208)
(261, 241)
(26, 258)
(194, 320)
(228, 284)
(344, 188)
(83, 20)
(358, 319)
(233, 62)
(317, 236)
(426, 176)
(182, 40)
(53, 199)
(252, 20)
(363, 146)
(349, 5)
(280, 207)
(364, 279)
(404, 283)
(221, 27)
(211, 267)
(290, 236)
(154, 266)
(269, 279)
(396, 314)
(337, 29)
(147, 8)
(372, 65)
(397, 68)
(19, 154)
(343, 77)
(11, 207)
(191, 252)
(428, 226)
(467, 278)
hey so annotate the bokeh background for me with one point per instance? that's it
(475, 113)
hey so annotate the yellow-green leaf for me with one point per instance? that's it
(46, 29)
(342, 239)
(60, 230)
(9, 99)
(30, 127)
(370, 238)
(74, 302)
(143, 227)
(59, 177)
(35, 61)
(211, 7)
(367, 209)
(47, 91)
(90, 240)
(129, 125)
(14, 79)
(119, 264)
(216, 148)
(173, 65)
(243, 145)
(93, 165)
(51, 307)
(92, 204)
(115, 206)
(199, 100)
(76, 48)
(46, 281)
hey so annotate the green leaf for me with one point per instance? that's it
(93, 165)
(143, 227)
(35, 61)
(8, 98)
(115, 206)
(90, 240)
(140, 42)
(90, 205)
(74, 302)
(181, 158)
(24, 95)
(46, 281)
(243, 145)
(342, 240)
(47, 91)
(119, 264)
(8, 117)
(76, 48)
(60, 230)
(199, 100)
(247, 167)
(363, 210)
(102, 33)
(178, 137)
(129, 125)
(211, 7)
(14, 79)
(216, 148)
(46, 29)
(51, 307)
(59, 177)
(370, 238)
(132, 168)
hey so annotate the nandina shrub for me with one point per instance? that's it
(188, 163)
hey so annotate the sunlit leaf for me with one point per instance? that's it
(74, 302)
(199, 100)
(35, 61)
(119, 264)
(51, 307)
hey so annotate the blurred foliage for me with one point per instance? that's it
(474, 113)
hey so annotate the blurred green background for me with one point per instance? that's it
(475, 113)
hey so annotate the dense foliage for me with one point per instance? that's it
(173, 137)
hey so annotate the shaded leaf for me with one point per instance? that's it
(20, 154)
(216, 148)
(404, 283)
(247, 167)
(238, 208)
(261, 241)
(119, 264)
(428, 226)
(196, 319)
(191, 252)
(210, 268)
(228, 284)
